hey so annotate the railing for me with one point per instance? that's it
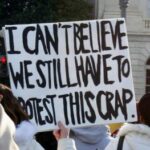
(147, 23)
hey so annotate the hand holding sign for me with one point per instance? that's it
(63, 132)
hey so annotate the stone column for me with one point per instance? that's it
(111, 9)
(123, 6)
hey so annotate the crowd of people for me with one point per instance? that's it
(14, 122)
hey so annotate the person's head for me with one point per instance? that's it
(11, 105)
(144, 109)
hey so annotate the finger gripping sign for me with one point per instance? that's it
(76, 72)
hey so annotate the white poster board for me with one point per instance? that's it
(76, 72)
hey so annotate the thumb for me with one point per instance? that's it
(64, 132)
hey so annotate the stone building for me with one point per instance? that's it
(138, 27)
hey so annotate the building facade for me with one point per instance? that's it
(138, 28)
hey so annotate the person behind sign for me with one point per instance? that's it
(7, 131)
(135, 136)
(25, 130)
(83, 138)
(91, 138)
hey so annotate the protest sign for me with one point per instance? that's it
(76, 72)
